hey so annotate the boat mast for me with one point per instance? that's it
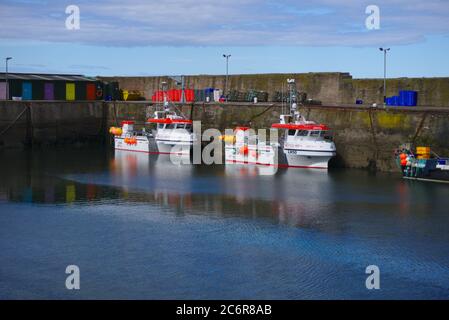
(164, 87)
(293, 99)
(167, 102)
(292, 94)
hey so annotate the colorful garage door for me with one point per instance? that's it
(49, 91)
(90, 91)
(27, 92)
(70, 91)
(2, 90)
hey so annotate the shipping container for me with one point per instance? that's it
(90, 91)
(3, 90)
(27, 91)
(70, 91)
(49, 91)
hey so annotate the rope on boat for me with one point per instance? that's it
(420, 126)
(179, 110)
(15, 120)
(261, 113)
(438, 157)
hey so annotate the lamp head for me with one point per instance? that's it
(8, 58)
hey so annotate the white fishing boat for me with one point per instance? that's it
(173, 133)
(302, 143)
(305, 144)
(127, 139)
(245, 147)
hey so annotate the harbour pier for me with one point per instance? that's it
(366, 136)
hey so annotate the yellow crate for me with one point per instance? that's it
(422, 150)
(125, 94)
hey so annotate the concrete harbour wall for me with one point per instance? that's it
(365, 137)
(25, 123)
(332, 88)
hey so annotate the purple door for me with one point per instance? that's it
(2, 90)
(49, 91)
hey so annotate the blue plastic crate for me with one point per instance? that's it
(395, 100)
(408, 98)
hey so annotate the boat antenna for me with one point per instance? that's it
(179, 80)
(164, 87)
(292, 95)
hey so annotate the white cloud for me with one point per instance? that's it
(225, 23)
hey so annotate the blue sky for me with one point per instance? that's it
(172, 37)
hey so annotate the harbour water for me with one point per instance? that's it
(138, 226)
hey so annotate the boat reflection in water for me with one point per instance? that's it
(291, 196)
(141, 170)
(162, 230)
(294, 197)
(247, 191)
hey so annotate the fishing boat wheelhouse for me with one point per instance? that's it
(127, 139)
(173, 133)
(306, 144)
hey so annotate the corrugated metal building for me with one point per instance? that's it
(31, 86)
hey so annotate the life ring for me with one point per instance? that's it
(244, 150)
(99, 93)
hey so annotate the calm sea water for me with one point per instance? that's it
(138, 226)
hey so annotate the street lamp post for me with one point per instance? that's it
(385, 50)
(227, 56)
(6, 78)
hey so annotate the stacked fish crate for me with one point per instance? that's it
(406, 98)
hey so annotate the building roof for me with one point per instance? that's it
(45, 77)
